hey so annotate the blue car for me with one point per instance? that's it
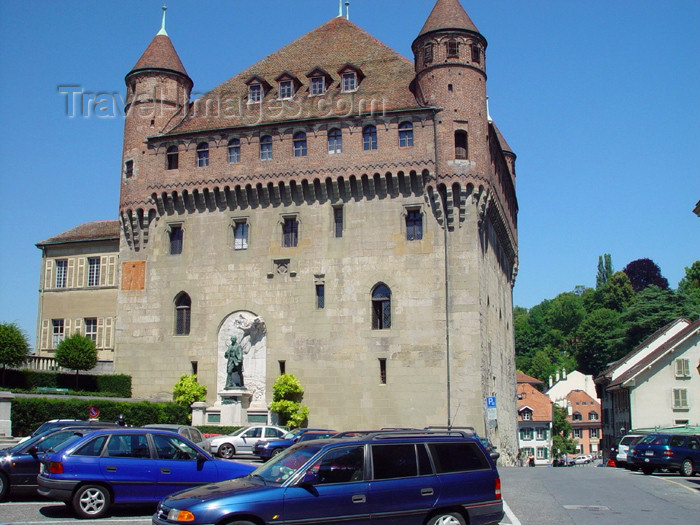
(130, 465)
(411, 478)
(265, 449)
(674, 452)
(19, 465)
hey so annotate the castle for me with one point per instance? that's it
(348, 215)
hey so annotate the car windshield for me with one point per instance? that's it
(281, 467)
(239, 431)
(654, 440)
(289, 435)
(66, 443)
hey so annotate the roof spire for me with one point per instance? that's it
(162, 23)
(340, 9)
(347, 9)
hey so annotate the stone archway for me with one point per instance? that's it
(251, 333)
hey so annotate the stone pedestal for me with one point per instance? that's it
(6, 413)
(233, 406)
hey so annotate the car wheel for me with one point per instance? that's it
(226, 451)
(4, 486)
(687, 467)
(634, 468)
(447, 518)
(241, 523)
(276, 451)
(91, 501)
(647, 470)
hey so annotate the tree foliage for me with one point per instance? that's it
(287, 393)
(188, 391)
(562, 442)
(14, 346)
(643, 273)
(76, 352)
(587, 329)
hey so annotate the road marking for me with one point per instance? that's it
(693, 490)
(509, 513)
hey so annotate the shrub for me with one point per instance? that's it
(187, 391)
(287, 393)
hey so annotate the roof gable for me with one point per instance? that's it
(387, 80)
(448, 14)
(160, 54)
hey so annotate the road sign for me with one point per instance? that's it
(93, 412)
(491, 402)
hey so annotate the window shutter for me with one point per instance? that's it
(104, 264)
(67, 328)
(111, 270)
(48, 274)
(70, 282)
(45, 333)
(100, 332)
(109, 333)
(81, 272)
(78, 326)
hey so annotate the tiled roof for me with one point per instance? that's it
(448, 14)
(160, 54)
(91, 231)
(501, 139)
(655, 354)
(524, 378)
(530, 397)
(387, 77)
(578, 397)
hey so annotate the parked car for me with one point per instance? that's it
(128, 465)
(675, 452)
(412, 478)
(19, 465)
(581, 460)
(623, 448)
(55, 424)
(191, 433)
(265, 449)
(242, 440)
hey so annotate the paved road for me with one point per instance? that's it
(583, 495)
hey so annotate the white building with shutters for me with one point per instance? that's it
(78, 287)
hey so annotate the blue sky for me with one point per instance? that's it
(599, 99)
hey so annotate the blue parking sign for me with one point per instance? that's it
(491, 402)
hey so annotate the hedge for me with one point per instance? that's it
(30, 412)
(119, 385)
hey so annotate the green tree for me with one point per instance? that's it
(14, 346)
(76, 352)
(605, 270)
(617, 294)
(689, 285)
(188, 391)
(287, 394)
(598, 335)
(562, 441)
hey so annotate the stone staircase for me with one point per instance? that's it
(8, 441)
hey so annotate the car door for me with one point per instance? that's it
(247, 440)
(126, 465)
(403, 488)
(335, 490)
(178, 466)
(24, 466)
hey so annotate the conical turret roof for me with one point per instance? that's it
(448, 14)
(160, 54)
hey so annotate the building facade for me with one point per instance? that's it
(535, 420)
(78, 289)
(656, 385)
(584, 414)
(347, 215)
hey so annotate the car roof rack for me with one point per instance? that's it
(450, 427)
(396, 434)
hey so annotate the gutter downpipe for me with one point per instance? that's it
(447, 275)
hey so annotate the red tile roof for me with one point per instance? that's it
(448, 14)
(524, 378)
(387, 80)
(91, 231)
(530, 397)
(160, 54)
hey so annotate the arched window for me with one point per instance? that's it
(183, 307)
(381, 307)
(335, 141)
(461, 145)
(202, 155)
(234, 151)
(300, 144)
(265, 147)
(452, 48)
(369, 138)
(405, 135)
(172, 158)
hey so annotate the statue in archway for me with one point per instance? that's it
(234, 365)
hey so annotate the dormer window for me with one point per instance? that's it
(452, 49)
(286, 89)
(287, 85)
(318, 86)
(350, 76)
(319, 81)
(349, 81)
(254, 93)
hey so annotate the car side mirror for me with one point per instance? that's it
(495, 455)
(310, 478)
(201, 458)
(33, 451)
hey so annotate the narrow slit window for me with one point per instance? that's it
(381, 308)
(461, 145)
(382, 371)
(338, 221)
(176, 240)
(320, 296)
(172, 157)
(290, 232)
(183, 305)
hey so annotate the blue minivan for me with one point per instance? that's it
(130, 465)
(407, 477)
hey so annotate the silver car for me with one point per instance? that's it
(242, 440)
